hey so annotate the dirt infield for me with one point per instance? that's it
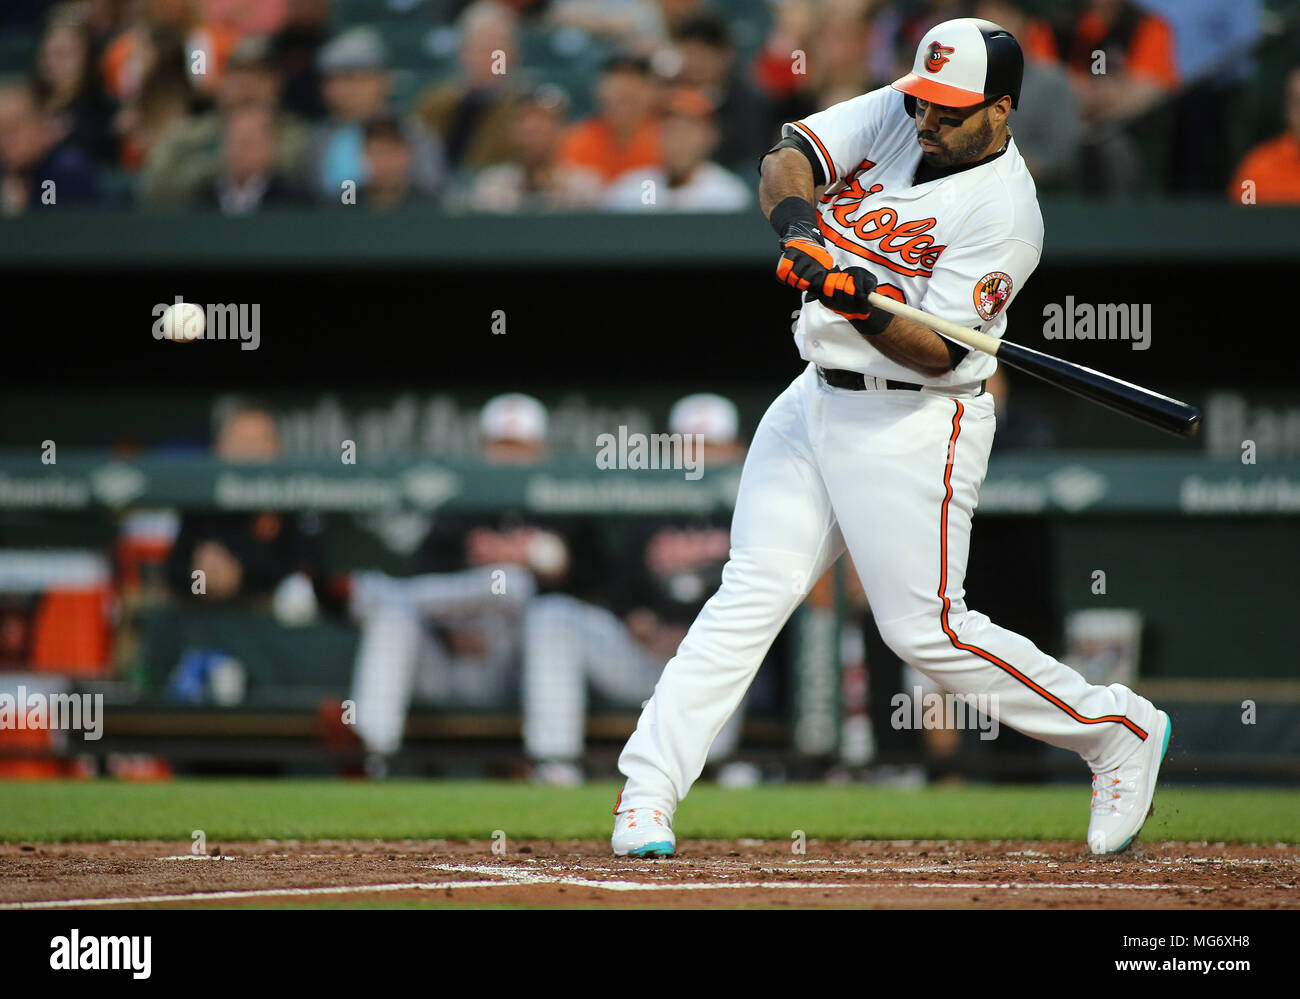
(870, 874)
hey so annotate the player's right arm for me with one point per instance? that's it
(814, 152)
(785, 193)
(784, 173)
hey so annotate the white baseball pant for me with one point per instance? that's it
(894, 475)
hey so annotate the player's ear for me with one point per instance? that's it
(1000, 109)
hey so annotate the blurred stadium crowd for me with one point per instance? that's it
(535, 105)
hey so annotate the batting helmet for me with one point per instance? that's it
(963, 62)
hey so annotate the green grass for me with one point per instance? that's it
(324, 809)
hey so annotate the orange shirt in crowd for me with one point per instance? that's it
(1040, 43)
(591, 143)
(1150, 54)
(1274, 166)
(122, 63)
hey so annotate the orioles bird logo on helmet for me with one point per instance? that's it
(937, 57)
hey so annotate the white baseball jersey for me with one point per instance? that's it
(959, 247)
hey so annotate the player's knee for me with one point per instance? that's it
(916, 640)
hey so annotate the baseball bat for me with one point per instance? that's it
(1141, 404)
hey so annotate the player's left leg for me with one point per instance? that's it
(912, 493)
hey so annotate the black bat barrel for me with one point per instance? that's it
(1124, 397)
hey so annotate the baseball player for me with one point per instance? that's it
(881, 444)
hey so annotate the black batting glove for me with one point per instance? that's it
(845, 293)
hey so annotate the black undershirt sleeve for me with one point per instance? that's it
(956, 352)
(804, 146)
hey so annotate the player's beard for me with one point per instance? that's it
(961, 147)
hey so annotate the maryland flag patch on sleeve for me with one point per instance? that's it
(991, 293)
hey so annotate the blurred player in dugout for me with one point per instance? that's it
(451, 632)
(236, 578)
(504, 594)
(664, 571)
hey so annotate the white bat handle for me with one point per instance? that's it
(962, 334)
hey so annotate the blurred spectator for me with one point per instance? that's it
(187, 157)
(634, 25)
(37, 167)
(623, 134)
(162, 98)
(389, 166)
(670, 567)
(357, 89)
(205, 47)
(472, 113)
(898, 28)
(781, 66)
(688, 181)
(1211, 37)
(841, 46)
(1121, 62)
(247, 589)
(68, 85)
(295, 48)
(247, 17)
(242, 556)
(104, 19)
(248, 180)
(1046, 126)
(1214, 39)
(531, 181)
(1273, 167)
(708, 61)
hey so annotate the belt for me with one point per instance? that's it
(856, 381)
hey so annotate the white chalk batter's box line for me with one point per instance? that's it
(506, 877)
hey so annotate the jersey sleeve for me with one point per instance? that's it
(973, 285)
(842, 134)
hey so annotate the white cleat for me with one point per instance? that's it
(643, 832)
(1121, 798)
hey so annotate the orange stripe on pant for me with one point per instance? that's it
(943, 595)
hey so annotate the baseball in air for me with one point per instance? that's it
(183, 321)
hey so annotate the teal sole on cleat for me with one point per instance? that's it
(660, 849)
(1169, 730)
